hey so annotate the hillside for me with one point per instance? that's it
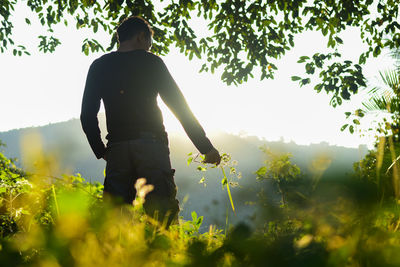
(67, 142)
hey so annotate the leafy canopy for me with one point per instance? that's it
(243, 36)
(382, 104)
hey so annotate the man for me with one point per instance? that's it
(129, 81)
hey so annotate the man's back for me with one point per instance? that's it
(124, 82)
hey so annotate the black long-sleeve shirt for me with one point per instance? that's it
(129, 83)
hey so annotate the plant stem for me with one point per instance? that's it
(55, 200)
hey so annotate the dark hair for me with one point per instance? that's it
(131, 26)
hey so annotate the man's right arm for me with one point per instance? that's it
(90, 107)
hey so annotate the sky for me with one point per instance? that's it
(47, 88)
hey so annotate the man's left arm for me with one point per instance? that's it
(174, 99)
(90, 108)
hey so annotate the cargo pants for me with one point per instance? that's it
(144, 157)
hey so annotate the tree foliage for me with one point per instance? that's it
(383, 104)
(244, 37)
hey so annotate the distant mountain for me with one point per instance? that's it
(67, 141)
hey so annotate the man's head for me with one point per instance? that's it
(137, 31)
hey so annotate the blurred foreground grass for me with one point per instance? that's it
(343, 221)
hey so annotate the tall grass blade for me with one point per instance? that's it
(55, 200)
(227, 188)
(391, 165)
(396, 178)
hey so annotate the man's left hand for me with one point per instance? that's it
(212, 157)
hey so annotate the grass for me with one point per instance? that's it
(64, 222)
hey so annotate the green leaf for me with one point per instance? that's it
(344, 127)
(318, 87)
(202, 180)
(199, 221)
(261, 171)
(224, 181)
(295, 78)
(305, 81)
(338, 40)
(201, 168)
(194, 216)
(359, 113)
(303, 59)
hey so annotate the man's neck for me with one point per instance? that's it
(126, 47)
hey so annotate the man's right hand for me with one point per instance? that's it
(212, 157)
